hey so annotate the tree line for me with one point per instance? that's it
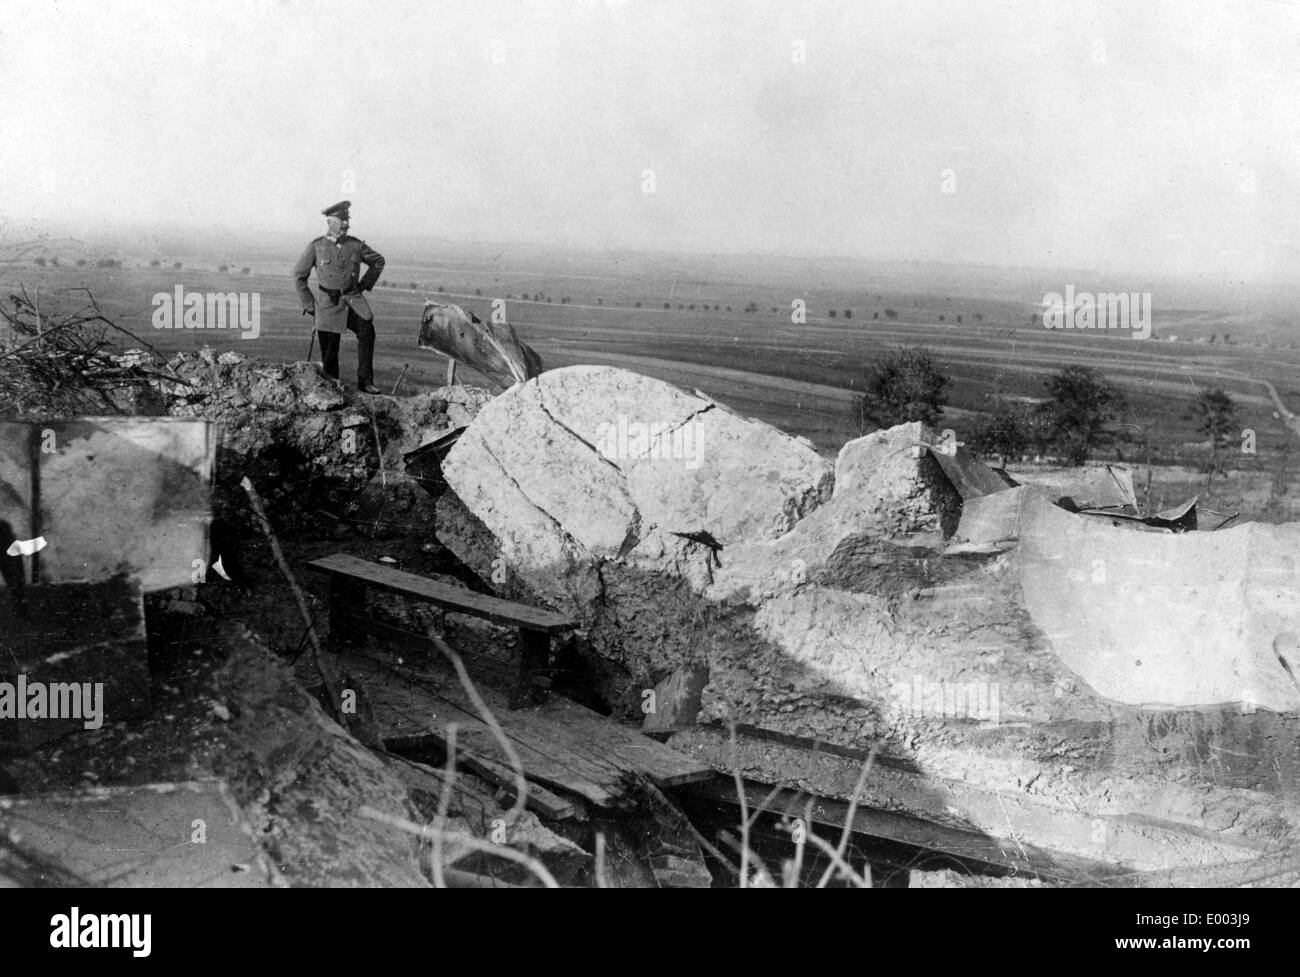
(1081, 413)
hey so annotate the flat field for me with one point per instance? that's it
(740, 345)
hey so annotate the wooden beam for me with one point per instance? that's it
(494, 609)
(1011, 828)
(561, 744)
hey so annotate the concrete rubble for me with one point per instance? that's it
(998, 649)
(1028, 645)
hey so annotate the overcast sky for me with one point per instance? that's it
(1127, 135)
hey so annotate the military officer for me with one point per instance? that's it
(337, 258)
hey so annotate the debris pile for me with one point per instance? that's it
(913, 648)
(301, 436)
(1080, 662)
(58, 364)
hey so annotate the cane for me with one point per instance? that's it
(312, 345)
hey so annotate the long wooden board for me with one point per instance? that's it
(1014, 830)
(561, 744)
(493, 609)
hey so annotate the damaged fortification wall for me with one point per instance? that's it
(831, 602)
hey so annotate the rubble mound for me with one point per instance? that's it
(842, 605)
(300, 435)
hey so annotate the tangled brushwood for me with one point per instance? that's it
(59, 363)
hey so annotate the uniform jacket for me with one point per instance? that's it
(337, 265)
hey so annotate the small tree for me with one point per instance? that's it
(1078, 415)
(177, 265)
(224, 268)
(246, 270)
(40, 262)
(1215, 417)
(832, 313)
(891, 314)
(1004, 432)
(904, 386)
(848, 313)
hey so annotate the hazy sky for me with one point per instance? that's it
(1128, 135)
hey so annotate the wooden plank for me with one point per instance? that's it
(973, 849)
(410, 715)
(561, 743)
(494, 609)
(476, 798)
(582, 730)
(1072, 838)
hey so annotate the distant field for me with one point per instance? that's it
(799, 377)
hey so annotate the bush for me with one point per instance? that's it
(848, 313)
(1006, 432)
(1078, 416)
(178, 266)
(246, 270)
(891, 314)
(224, 268)
(832, 313)
(1215, 416)
(40, 262)
(905, 386)
(155, 263)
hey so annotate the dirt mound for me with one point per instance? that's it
(304, 440)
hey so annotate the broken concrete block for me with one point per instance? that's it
(1195, 619)
(186, 835)
(111, 495)
(994, 518)
(1088, 487)
(676, 699)
(580, 465)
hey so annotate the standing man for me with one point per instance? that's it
(337, 258)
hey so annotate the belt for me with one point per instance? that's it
(335, 293)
